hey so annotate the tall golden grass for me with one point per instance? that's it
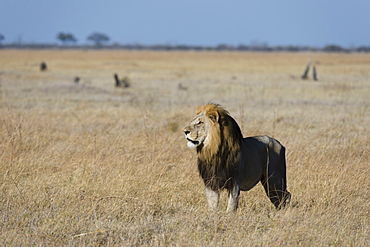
(89, 164)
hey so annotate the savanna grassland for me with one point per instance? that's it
(89, 164)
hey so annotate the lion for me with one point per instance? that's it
(228, 161)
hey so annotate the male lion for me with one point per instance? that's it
(226, 160)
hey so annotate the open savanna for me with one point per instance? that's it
(89, 164)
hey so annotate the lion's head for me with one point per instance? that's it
(213, 132)
(204, 129)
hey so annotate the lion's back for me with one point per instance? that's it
(262, 141)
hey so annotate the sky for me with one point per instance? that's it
(190, 22)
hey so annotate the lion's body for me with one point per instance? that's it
(226, 160)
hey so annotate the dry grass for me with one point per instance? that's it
(89, 164)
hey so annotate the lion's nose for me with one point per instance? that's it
(186, 132)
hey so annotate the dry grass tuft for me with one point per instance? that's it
(86, 164)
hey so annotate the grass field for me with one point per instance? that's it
(89, 164)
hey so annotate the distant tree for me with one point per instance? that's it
(259, 46)
(2, 37)
(223, 47)
(363, 49)
(98, 38)
(243, 47)
(292, 48)
(66, 38)
(334, 48)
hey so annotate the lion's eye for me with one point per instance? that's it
(198, 122)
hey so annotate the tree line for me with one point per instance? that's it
(68, 39)
(100, 40)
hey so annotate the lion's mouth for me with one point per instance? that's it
(194, 142)
(191, 143)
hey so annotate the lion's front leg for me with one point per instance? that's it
(212, 198)
(233, 201)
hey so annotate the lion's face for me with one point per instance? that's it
(197, 131)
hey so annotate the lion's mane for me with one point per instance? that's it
(218, 161)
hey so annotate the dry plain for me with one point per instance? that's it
(89, 164)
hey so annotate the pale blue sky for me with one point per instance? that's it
(191, 22)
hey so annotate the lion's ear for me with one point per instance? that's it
(213, 115)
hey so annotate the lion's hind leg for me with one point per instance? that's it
(274, 177)
(276, 191)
